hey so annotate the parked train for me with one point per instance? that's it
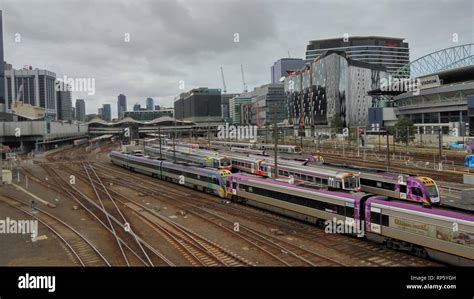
(400, 186)
(203, 179)
(214, 161)
(439, 234)
(336, 180)
(397, 186)
(267, 147)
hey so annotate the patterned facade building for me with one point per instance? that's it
(330, 86)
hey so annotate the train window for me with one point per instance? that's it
(403, 188)
(215, 181)
(416, 191)
(303, 177)
(286, 173)
(350, 212)
(388, 186)
(367, 182)
(385, 220)
(234, 185)
(250, 189)
(375, 217)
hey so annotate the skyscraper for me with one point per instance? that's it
(80, 110)
(107, 112)
(64, 102)
(31, 86)
(150, 104)
(121, 105)
(390, 52)
(2, 70)
(137, 107)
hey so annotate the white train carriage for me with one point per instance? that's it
(443, 235)
(203, 179)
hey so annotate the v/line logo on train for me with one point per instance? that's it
(440, 234)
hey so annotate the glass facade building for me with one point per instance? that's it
(150, 104)
(199, 105)
(64, 104)
(32, 86)
(80, 110)
(392, 53)
(268, 105)
(236, 109)
(121, 105)
(332, 85)
(106, 112)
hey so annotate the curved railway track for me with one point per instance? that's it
(83, 250)
(134, 250)
(368, 253)
(195, 248)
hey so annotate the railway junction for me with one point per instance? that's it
(92, 212)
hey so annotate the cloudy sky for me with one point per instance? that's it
(170, 40)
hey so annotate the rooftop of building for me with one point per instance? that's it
(358, 38)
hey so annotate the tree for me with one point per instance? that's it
(337, 124)
(405, 130)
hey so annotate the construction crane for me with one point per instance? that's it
(223, 81)
(243, 78)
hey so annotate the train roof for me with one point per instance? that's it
(168, 163)
(246, 177)
(420, 209)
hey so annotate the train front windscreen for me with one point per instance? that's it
(351, 183)
(433, 192)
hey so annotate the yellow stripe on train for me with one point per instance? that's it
(426, 180)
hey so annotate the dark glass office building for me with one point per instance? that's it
(390, 52)
(199, 105)
(332, 85)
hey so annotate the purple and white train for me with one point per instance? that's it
(436, 233)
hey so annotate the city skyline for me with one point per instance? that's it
(197, 46)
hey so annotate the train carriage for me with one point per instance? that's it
(337, 180)
(203, 179)
(188, 155)
(443, 235)
(306, 204)
(399, 186)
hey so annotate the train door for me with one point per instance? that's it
(360, 214)
(402, 187)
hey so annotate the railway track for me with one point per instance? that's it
(283, 252)
(82, 249)
(370, 254)
(195, 248)
(134, 250)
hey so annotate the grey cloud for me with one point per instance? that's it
(190, 40)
